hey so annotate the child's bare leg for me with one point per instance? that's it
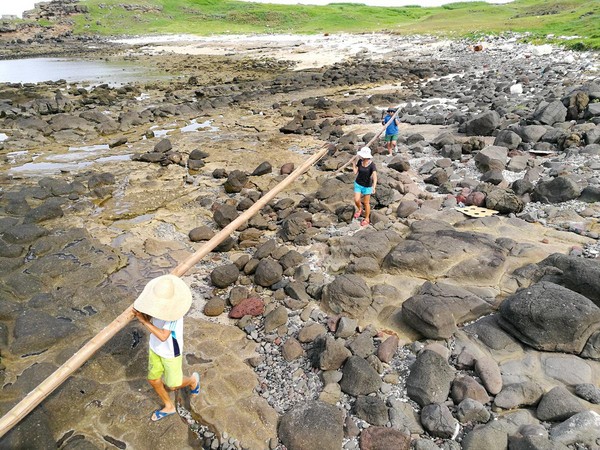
(357, 200)
(367, 203)
(159, 388)
(187, 382)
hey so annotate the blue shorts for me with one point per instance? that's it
(362, 190)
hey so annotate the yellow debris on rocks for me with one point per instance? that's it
(476, 211)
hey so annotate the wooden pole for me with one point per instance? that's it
(373, 139)
(46, 387)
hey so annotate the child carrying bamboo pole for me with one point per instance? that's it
(160, 308)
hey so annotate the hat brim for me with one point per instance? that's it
(169, 309)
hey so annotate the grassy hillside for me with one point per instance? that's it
(204, 17)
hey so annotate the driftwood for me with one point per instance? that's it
(46, 387)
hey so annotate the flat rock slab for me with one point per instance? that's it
(227, 402)
(436, 249)
(438, 308)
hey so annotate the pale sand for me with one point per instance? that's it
(306, 51)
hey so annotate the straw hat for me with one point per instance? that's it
(365, 153)
(166, 297)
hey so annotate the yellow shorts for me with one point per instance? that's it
(171, 369)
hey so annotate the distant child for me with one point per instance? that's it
(160, 308)
(391, 131)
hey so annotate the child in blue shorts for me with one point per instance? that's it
(365, 183)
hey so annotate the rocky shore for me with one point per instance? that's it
(428, 329)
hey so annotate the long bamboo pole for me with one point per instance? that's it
(46, 387)
(373, 139)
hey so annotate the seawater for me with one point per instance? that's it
(36, 70)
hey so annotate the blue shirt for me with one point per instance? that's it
(392, 128)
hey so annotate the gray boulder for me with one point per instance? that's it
(491, 158)
(522, 186)
(534, 443)
(295, 225)
(334, 353)
(557, 405)
(202, 233)
(403, 416)
(470, 410)
(581, 275)
(549, 317)
(438, 421)
(268, 272)
(531, 133)
(489, 372)
(437, 309)
(550, 113)
(452, 151)
(225, 214)
(590, 194)
(236, 180)
(559, 189)
(483, 124)
(223, 276)
(371, 410)
(310, 425)
(262, 169)
(487, 437)
(163, 146)
(429, 379)
(359, 377)
(347, 294)
(399, 164)
(582, 428)
(466, 387)
(588, 392)
(508, 139)
(517, 395)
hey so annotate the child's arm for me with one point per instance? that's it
(163, 335)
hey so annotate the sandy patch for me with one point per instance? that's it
(306, 51)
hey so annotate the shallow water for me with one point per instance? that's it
(62, 163)
(35, 70)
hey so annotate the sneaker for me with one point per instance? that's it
(364, 223)
(358, 213)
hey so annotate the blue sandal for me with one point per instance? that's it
(196, 390)
(158, 415)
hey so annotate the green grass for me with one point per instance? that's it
(206, 17)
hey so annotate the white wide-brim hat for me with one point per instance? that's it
(166, 297)
(365, 153)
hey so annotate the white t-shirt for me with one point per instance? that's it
(167, 348)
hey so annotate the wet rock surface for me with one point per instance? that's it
(428, 326)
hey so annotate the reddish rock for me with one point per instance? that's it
(247, 307)
(286, 169)
(332, 322)
(387, 349)
(476, 199)
(382, 438)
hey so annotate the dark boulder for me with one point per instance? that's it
(549, 317)
(311, 425)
